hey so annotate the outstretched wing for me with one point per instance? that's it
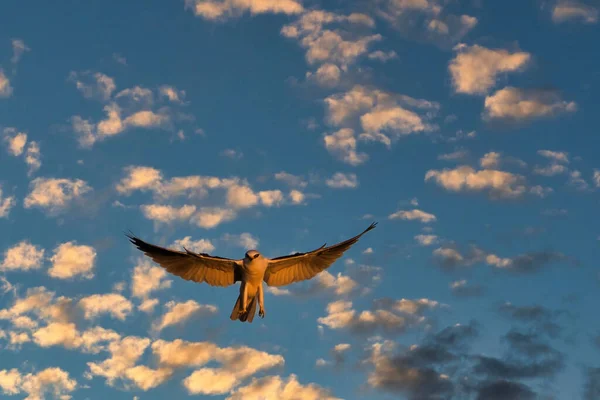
(197, 267)
(297, 267)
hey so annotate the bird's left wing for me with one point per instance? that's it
(197, 267)
(297, 267)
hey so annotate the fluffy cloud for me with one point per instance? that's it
(114, 304)
(498, 184)
(327, 75)
(514, 104)
(55, 195)
(147, 279)
(426, 240)
(167, 214)
(198, 246)
(22, 256)
(573, 10)
(556, 156)
(463, 288)
(6, 203)
(178, 313)
(94, 85)
(340, 180)
(342, 145)
(475, 68)
(223, 9)
(244, 240)
(210, 217)
(15, 141)
(139, 178)
(71, 260)
(278, 388)
(384, 117)
(413, 215)
(53, 381)
(6, 89)
(330, 46)
(435, 25)
(290, 179)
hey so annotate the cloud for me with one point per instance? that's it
(383, 117)
(173, 94)
(139, 178)
(236, 364)
(32, 157)
(198, 246)
(210, 217)
(556, 156)
(383, 56)
(146, 378)
(6, 89)
(71, 260)
(514, 104)
(147, 279)
(224, 9)
(340, 180)
(244, 240)
(178, 313)
(6, 204)
(23, 256)
(333, 47)
(413, 215)
(51, 380)
(276, 387)
(19, 48)
(93, 84)
(573, 10)
(15, 141)
(327, 75)
(167, 214)
(596, 179)
(111, 303)
(475, 69)
(55, 195)
(426, 240)
(592, 383)
(342, 145)
(291, 180)
(426, 21)
(124, 355)
(498, 184)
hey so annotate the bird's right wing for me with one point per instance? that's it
(197, 267)
(297, 267)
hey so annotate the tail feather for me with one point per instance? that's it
(249, 315)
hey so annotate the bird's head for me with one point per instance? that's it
(252, 254)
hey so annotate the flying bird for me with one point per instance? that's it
(251, 271)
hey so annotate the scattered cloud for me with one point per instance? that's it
(198, 246)
(413, 215)
(514, 104)
(6, 89)
(475, 69)
(147, 278)
(179, 313)
(23, 256)
(276, 387)
(244, 240)
(55, 195)
(340, 180)
(215, 10)
(342, 145)
(19, 48)
(37, 385)
(574, 11)
(426, 240)
(6, 204)
(71, 260)
(111, 303)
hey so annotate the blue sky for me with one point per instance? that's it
(465, 128)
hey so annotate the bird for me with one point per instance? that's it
(251, 271)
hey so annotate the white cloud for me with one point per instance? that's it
(147, 279)
(111, 303)
(291, 180)
(499, 184)
(383, 56)
(6, 89)
(270, 198)
(342, 145)
(223, 9)
(550, 170)
(33, 157)
(516, 104)
(124, 354)
(23, 256)
(329, 46)
(167, 214)
(138, 95)
(278, 388)
(198, 246)
(55, 195)
(15, 141)
(6, 204)
(173, 94)
(556, 156)
(340, 180)
(94, 85)
(19, 48)
(573, 10)
(210, 217)
(244, 240)
(54, 381)
(327, 75)
(232, 153)
(147, 378)
(426, 240)
(178, 313)
(71, 260)
(475, 68)
(596, 179)
(296, 196)
(148, 305)
(413, 215)
(139, 178)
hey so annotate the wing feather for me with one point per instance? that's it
(197, 267)
(297, 267)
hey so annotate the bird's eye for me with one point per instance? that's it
(256, 255)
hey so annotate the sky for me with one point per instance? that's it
(465, 128)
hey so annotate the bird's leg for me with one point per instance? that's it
(244, 299)
(261, 301)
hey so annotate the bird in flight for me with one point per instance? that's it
(251, 271)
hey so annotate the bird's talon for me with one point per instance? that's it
(261, 313)
(242, 312)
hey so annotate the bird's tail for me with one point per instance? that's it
(246, 317)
